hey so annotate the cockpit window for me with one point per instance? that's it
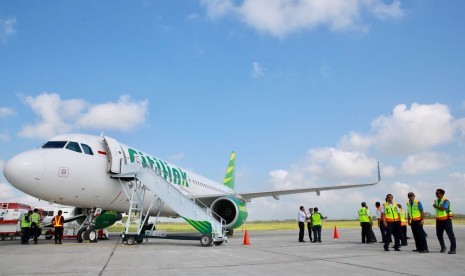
(54, 145)
(74, 147)
(87, 149)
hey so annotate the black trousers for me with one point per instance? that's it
(366, 231)
(403, 238)
(393, 228)
(309, 227)
(445, 225)
(24, 235)
(301, 230)
(34, 232)
(382, 229)
(419, 235)
(58, 234)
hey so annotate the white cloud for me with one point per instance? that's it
(325, 164)
(413, 130)
(257, 70)
(123, 115)
(428, 161)
(387, 171)
(6, 191)
(5, 111)
(57, 116)
(281, 17)
(7, 29)
(355, 141)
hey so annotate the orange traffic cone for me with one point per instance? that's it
(336, 235)
(246, 238)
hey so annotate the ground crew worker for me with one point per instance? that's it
(403, 225)
(301, 217)
(316, 219)
(444, 221)
(309, 223)
(365, 222)
(391, 221)
(25, 224)
(415, 220)
(381, 227)
(58, 222)
(34, 228)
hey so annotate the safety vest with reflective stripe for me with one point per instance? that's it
(390, 213)
(57, 221)
(403, 221)
(363, 214)
(316, 219)
(24, 223)
(413, 211)
(440, 214)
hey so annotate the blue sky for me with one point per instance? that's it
(307, 93)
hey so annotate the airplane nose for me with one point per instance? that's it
(25, 170)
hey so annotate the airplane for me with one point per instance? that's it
(90, 172)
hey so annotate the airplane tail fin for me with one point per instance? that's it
(229, 178)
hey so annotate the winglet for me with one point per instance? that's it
(379, 173)
(229, 178)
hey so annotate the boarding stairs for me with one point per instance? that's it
(147, 177)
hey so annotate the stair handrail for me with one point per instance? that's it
(192, 198)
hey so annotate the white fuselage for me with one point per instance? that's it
(64, 176)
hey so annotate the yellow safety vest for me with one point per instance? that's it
(363, 215)
(316, 219)
(390, 213)
(413, 212)
(24, 223)
(403, 221)
(443, 215)
(34, 217)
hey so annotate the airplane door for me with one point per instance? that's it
(115, 155)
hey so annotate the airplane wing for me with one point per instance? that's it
(49, 224)
(276, 193)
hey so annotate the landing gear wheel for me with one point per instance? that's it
(217, 243)
(90, 235)
(130, 241)
(80, 235)
(206, 240)
(140, 240)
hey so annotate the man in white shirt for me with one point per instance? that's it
(301, 217)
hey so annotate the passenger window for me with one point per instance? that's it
(87, 149)
(74, 147)
(54, 145)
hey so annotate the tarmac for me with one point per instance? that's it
(270, 253)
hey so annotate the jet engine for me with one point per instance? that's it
(232, 209)
(104, 220)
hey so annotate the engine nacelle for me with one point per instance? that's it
(232, 209)
(104, 220)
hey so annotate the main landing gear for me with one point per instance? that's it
(87, 231)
